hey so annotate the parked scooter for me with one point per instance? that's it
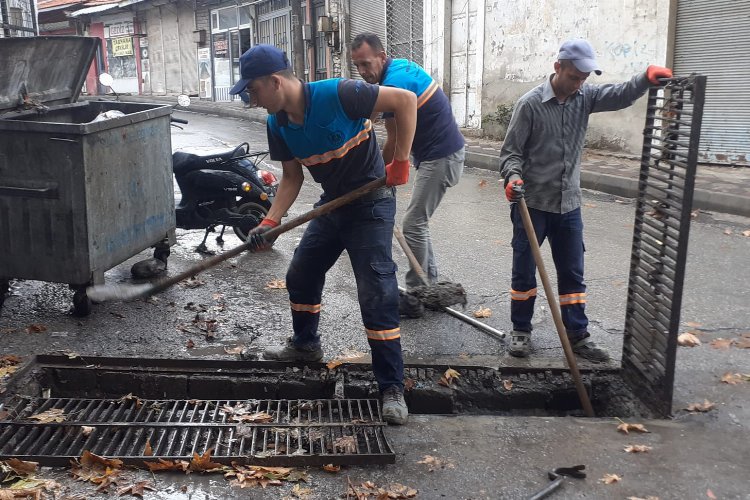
(222, 189)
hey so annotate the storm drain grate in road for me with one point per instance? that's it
(269, 432)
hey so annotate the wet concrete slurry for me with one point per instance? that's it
(493, 457)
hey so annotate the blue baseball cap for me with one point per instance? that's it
(581, 54)
(261, 60)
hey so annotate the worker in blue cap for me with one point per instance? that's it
(325, 126)
(541, 162)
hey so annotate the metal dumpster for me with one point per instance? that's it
(77, 197)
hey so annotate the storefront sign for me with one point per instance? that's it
(118, 29)
(122, 46)
(221, 48)
(204, 73)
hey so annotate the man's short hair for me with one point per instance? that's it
(370, 39)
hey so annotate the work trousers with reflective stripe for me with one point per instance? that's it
(365, 230)
(565, 235)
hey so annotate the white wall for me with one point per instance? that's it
(522, 37)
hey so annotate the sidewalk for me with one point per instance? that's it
(719, 189)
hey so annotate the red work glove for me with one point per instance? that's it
(256, 238)
(514, 190)
(397, 173)
(653, 73)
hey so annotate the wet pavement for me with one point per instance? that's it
(485, 456)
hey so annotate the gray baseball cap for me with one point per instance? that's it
(581, 53)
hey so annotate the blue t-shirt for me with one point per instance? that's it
(437, 134)
(336, 142)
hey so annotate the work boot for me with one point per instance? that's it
(290, 352)
(587, 349)
(520, 344)
(395, 410)
(409, 305)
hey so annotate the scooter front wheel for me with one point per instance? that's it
(250, 208)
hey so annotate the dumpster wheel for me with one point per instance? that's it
(249, 208)
(81, 302)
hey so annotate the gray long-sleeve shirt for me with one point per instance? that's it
(545, 139)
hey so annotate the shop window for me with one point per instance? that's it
(228, 18)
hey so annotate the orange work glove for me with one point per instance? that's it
(256, 237)
(514, 190)
(397, 173)
(653, 73)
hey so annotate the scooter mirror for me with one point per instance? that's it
(106, 79)
(183, 100)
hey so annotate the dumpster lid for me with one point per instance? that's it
(44, 69)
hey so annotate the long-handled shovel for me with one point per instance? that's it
(555, 308)
(101, 293)
(456, 314)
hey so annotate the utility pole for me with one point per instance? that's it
(298, 45)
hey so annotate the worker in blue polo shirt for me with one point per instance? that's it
(438, 148)
(325, 126)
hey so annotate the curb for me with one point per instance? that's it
(611, 184)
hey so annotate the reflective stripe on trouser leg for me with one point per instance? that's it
(368, 239)
(432, 179)
(523, 279)
(566, 243)
(317, 251)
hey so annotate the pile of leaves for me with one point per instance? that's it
(18, 477)
(369, 490)
(8, 365)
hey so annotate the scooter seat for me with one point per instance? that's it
(183, 162)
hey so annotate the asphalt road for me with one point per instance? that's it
(492, 457)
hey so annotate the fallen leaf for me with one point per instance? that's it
(434, 463)
(53, 415)
(21, 467)
(448, 377)
(97, 470)
(695, 213)
(742, 343)
(727, 231)
(203, 462)
(193, 282)
(650, 497)
(703, 407)
(746, 233)
(89, 460)
(735, 378)
(178, 465)
(637, 448)
(483, 312)
(137, 488)
(331, 468)
(589, 205)
(299, 492)
(3, 414)
(721, 343)
(687, 339)
(234, 350)
(276, 284)
(710, 494)
(86, 430)
(693, 324)
(610, 479)
(334, 363)
(190, 344)
(507, 384)
(36, 328)
(345, 444)
(147, 450)
(409, 384)
(625, 427)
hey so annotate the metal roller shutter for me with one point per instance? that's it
(366, 15)
(711, 38)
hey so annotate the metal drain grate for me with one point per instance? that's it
(269, 432)
(660, 238)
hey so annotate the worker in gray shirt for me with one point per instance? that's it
(541, 161)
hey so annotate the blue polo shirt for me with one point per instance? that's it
(437, 134)
(336, 142)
